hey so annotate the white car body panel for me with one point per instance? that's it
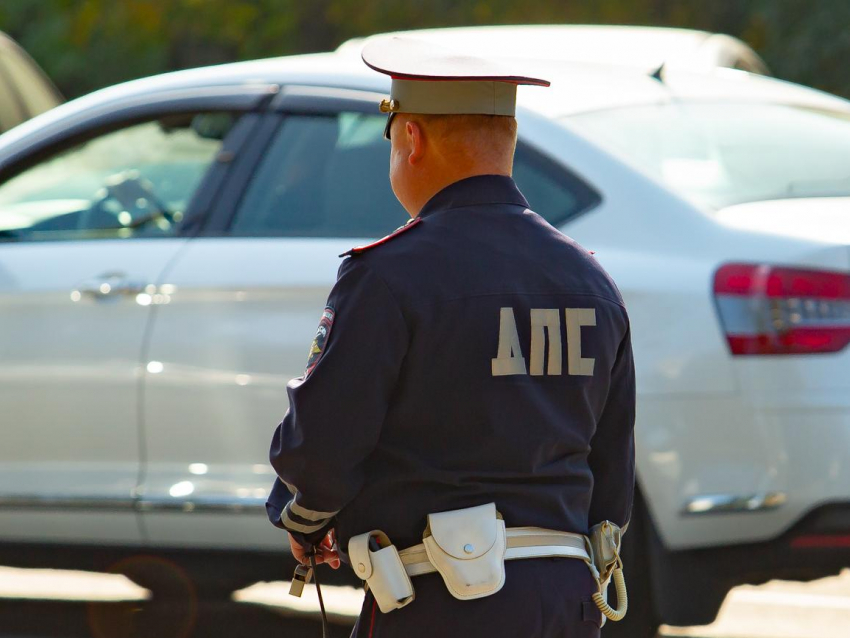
(70, 384)
(238, 328)
(820, 219)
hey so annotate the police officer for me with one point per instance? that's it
(476, 355)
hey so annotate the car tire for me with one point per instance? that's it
(642, 619)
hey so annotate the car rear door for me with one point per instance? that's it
(86, 228)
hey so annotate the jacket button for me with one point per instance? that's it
(361, 567)
(468, 548)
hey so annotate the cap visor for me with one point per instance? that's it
(388, 126)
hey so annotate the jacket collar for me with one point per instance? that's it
(474, 191)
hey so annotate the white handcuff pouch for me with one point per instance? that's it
(467, 547)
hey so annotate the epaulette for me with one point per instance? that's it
(359, 250)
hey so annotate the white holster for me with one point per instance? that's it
(382, 570)
(605, 540)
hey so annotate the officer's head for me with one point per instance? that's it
(450, 115)
(431, 151)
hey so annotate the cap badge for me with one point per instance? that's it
(389, 106)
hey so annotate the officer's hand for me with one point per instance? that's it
(326, 551)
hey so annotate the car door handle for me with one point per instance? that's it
(111, 284)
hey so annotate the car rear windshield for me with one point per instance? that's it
(719, 154)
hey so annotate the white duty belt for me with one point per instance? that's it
(469, 547)
(522, 542)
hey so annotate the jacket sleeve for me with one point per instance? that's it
(612, 455)
(337, 408)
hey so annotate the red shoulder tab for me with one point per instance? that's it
(357, 250)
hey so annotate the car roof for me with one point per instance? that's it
(576, 88)
(644, 48)
(315, 69)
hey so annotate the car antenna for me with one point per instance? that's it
(658, 74)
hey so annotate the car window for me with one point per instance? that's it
(327, 176)
(552, 190)
(135, 181)
(322, 176)
(718, 154)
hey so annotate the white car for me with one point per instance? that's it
(167, 245)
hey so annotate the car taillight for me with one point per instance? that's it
(779, 310)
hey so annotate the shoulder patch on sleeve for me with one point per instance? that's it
(357, 250)
(320, 341)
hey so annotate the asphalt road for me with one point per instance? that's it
(51, 604)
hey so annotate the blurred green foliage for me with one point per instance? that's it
(87, 44)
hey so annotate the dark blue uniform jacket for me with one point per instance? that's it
(478, 356)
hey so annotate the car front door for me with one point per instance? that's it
(85, 231)
(248, 294)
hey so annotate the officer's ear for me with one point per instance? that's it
(416, 142)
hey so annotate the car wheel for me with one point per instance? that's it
(642, 619)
